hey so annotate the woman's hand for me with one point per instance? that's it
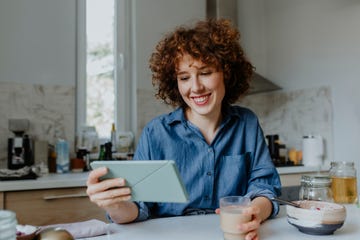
(250, 228)
(259, 210)
(107, 192)
(112, 195)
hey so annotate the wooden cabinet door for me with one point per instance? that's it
(52, 206)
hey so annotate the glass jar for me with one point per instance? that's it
(7, 225)
(316, 187)
(344, 182)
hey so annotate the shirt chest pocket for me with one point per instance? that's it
(233, 174)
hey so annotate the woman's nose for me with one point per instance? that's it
(196, 84)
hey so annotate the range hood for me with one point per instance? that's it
(228, 9)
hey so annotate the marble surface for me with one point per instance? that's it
(49, 108)
(294, 114)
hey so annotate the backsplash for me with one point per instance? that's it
(294, 114)
(290, 114)
(50, 110)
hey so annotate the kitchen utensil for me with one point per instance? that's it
(20, 147)
(286, 202)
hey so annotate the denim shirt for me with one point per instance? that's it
(237, 162)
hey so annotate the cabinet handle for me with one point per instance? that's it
(75, 195)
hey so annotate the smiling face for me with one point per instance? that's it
(201, 87)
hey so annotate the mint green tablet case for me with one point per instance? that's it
(149, 180)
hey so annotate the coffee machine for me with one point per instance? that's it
(20, 147)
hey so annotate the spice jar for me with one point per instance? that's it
(344, 183)
(7, 225)
(316, 187)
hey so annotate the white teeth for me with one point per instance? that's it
(200, 99)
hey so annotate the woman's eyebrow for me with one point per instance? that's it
(181, 72)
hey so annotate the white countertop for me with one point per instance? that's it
(206, 227)
(65, 180)
(298, 169)
(53, 180)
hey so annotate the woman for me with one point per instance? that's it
(219, 148)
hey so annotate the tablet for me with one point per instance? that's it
(149, 180)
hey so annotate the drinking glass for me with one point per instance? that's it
(231, 215)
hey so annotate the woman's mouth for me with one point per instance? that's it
(201, 100)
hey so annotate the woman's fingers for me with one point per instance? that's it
(95, 174)
(111, 197)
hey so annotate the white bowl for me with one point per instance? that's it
(316, 217)
(25, 232)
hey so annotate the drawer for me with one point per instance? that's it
(52, 206)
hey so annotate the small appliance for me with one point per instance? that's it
(313, 150)
(20, 147)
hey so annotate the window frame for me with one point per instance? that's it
(125, 87)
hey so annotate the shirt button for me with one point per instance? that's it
(210, 150)
(209, 173)
(207, 198)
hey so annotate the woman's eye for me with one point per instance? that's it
(183, 78)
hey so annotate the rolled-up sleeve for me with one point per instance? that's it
(264, 179)
(265, 183)
(144, 212)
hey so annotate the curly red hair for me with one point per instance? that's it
(213, 42)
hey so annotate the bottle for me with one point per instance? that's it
(108, 151)
(52, 159)
(113, 138)
(62, 156)
(316, 187)
(102, 152)
(344, 182)
(8, 224)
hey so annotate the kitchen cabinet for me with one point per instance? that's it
(51, 206)
(291, 176)
(292, 179)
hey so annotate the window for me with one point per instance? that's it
(100, 68)
(104, 81)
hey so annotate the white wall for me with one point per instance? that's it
(154, 18)
(297, 44)
(38, 41)
(308, 44)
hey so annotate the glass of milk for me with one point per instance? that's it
(231, 215)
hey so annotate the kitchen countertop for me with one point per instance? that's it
(298, 169)
(207, 227)
(53, 180)
(66, 180)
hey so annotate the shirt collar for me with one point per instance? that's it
(178, 115)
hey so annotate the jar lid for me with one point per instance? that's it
(316, 180)
(342, 164)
